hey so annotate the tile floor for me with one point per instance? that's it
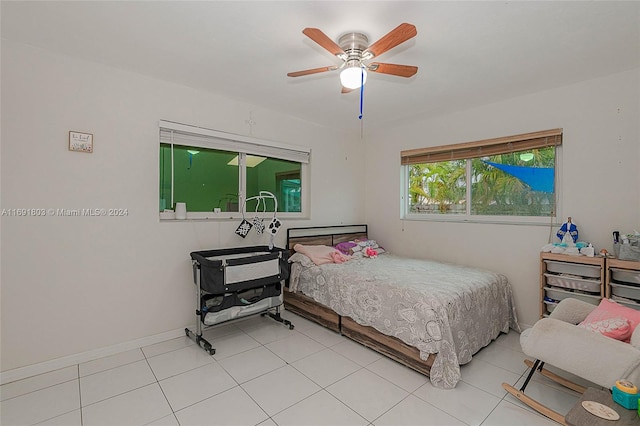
(265, 374)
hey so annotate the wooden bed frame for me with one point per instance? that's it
(306, 307)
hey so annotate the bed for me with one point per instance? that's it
(430, 316)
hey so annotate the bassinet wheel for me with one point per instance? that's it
(291, 327)
(207, 347)
(186, 332)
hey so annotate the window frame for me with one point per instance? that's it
(198, 137)
(466, 151)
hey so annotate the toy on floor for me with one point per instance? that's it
(625, 393)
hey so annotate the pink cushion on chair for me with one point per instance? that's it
(609, 310)
(616, 328)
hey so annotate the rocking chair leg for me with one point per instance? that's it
(558, 379)
(553, 415)
(533, 368)
(539, 365)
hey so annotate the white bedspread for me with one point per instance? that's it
(440, 308)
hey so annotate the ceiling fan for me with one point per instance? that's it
(354, 50)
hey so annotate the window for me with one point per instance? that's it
(505, 179)
(214, 172)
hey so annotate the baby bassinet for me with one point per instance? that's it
(233, 283)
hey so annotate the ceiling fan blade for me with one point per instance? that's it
(311, 71)
(398, 35)
(324, 41)
(393, 69)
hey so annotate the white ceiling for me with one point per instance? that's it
(468, 53)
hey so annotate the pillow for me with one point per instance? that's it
(366, 243)
(608, 309)
(318, 254)
(345, 247)
(361, 246)
(616, 328)
(301, 259)
(357, 248)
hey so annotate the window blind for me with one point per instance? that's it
(182, 134)
(482, 148)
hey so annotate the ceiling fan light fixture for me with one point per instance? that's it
(353, 77)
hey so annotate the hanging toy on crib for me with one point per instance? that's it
(244, 227)
(274, 227)
(257, 222)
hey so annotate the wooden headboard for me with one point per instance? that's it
(324, 235)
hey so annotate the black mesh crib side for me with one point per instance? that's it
(239, 269)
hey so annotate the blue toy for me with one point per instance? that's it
(570, 228)
(626, 394)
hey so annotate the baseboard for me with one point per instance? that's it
(523, 327)
(66, 361)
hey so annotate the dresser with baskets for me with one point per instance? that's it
(589, 279)
(563, 276)
(623, 282)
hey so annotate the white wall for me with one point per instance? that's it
(75, 284)
(600, 185)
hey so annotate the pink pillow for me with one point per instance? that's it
(616, 328)
(318, 254)
(608, 309)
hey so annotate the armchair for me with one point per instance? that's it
(558, 341)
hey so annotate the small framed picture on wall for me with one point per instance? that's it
(81, 142)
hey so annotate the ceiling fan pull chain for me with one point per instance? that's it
(361, 91)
